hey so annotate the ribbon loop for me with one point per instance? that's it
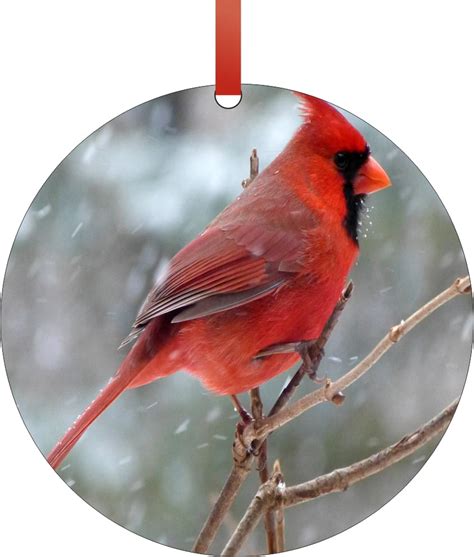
(228, 48)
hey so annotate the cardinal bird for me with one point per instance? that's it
(267, 271)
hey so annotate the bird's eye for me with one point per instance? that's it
(341, 160)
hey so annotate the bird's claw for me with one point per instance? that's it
(311, 353)
(244, 415)
(252, 448)
(245, 420)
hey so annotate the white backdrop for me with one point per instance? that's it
(70, 66)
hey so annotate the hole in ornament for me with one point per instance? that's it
(228, 101)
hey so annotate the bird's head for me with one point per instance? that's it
(335, 139)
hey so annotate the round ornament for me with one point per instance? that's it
(319, 287)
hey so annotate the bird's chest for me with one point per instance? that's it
(300, 310)
(226, 360)
(302, 307)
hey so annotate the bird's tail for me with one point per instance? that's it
(108, 394)
(136, 360)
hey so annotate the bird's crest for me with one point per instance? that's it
(330, 129)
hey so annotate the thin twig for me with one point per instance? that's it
(279, 511)
(269, 491)
(332, 391)
(254, 167)
(274, 494)
(226, 497)
(249, 520)
(262, 467)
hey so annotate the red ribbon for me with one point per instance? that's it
(228, 57)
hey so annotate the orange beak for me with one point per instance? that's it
(371, 177)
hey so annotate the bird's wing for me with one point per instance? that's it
(225, 267)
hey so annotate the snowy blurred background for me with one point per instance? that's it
(91, 245)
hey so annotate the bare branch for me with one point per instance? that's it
(243, 458)
(256, 404)
(332, 391)
(269, 491)
(279, 511)
(274, 494)
(340, 480)
(255, 432)
(254, 167)
(262, 466)
(250, 519)
(252, 435)
(224, 502)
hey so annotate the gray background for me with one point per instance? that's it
(121, 204)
